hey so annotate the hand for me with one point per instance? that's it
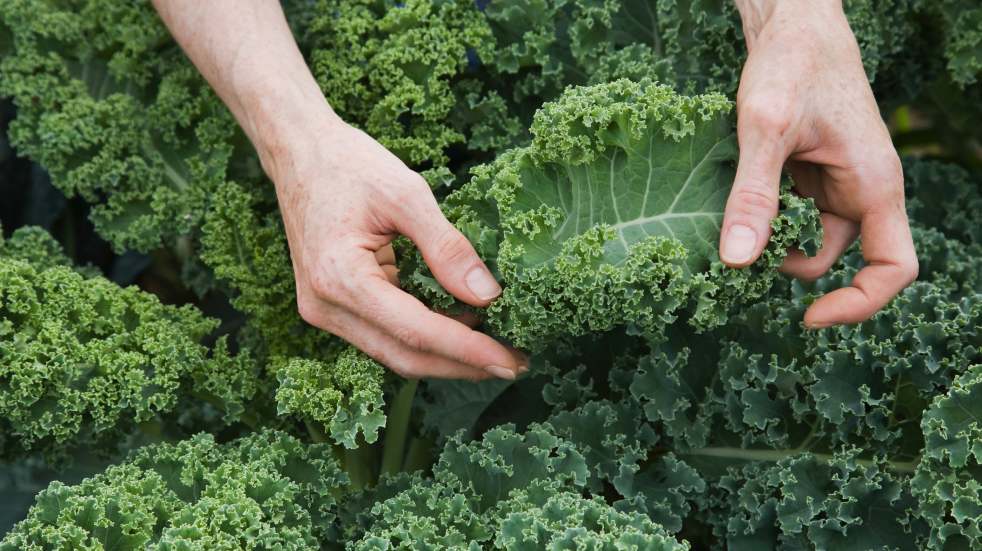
(344, 198)
(804, 98)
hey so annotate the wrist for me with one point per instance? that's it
(756, 15)
(285, 121)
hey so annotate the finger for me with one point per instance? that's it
(385, 256)
(891, 265)
(838, 234)
(753, 199)
(391, 273)
(472, 320)
(410, 364)
(407, 320)
(448, 253)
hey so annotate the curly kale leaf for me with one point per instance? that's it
(544, 46)
(883, 30)
(508, 491)
(319, 380)
(111, 108)
(960, 23)
(265, 491)
(401, 71)
(944, 196)
(802, 502)
(36, 246)
(244, 245)
(948, 481)
(83, 360)
(948, 263)
(615, 441)
(610, 218)
(344, 395)
(766, 383)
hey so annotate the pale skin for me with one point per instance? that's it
(804, 102)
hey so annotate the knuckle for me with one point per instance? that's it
(451, 245)
(755, 198)
(769, 118)
(323, 285)
(885, 169)
(409, 337)
(309, 311)
(408, 195)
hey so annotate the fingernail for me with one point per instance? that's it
(480, 281)
(738, 244)
(523, 369)
(500, 372)
(819, 324)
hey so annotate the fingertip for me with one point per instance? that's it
(739, 246)
(482, 285)
(816, 321)
(501, 372)
(840, 307)
(521, 360)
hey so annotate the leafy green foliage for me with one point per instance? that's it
(586, 149)
(112, 109)
(949, 479)
(508, 491)
(945, 196)
(610, 217)
(346, 396)
(246, 251)
(36, 246)
(961, 22)
(801, 502)
(318, 379)
(401, 73)
(267, 490)
(82, 360)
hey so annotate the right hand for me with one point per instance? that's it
(344, 198)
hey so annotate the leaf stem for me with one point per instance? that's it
(397, 427)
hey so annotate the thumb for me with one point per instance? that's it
(752, 203)
(449, 254)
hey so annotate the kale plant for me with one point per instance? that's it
(586, 149)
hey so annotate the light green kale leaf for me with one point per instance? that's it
(611, 216)
(344, 395)
(264, 491)
(401, 72)
(108, 104)
(244, 246)
(34, 245)
(82, 361)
